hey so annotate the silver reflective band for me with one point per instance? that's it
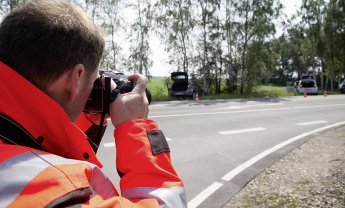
(167, 197)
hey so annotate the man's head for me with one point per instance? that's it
(47, 40)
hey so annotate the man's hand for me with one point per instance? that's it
(132, 105)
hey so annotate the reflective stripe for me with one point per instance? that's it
(21, 169)
(101, 184)
(18, 171)
(167, 197)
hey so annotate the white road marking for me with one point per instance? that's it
(227, 177)
(232, 107)
(245, 111)
(196, 201)
(311, 123)
(258, 157)
(168, 139)
(239, 131)
(111, 144)
(245, 106)
(266, 104)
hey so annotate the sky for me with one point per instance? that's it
(160, 57)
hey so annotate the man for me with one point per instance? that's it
(49, 57)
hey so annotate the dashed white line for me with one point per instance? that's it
(246, 106)
(239, 131)
(311, 123)
(196, 201)
(266, 104)
(227, 177)
(232, 107)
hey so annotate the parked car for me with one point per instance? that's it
(308, 86)
(342, 86)
(182, 86)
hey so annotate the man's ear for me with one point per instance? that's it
(76, 79)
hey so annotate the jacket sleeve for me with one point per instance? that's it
(144, 164)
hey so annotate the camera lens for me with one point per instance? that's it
(126, 86)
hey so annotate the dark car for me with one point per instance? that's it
(182, 86)
(307, 86)
(342, 87)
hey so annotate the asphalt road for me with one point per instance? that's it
(219, 146)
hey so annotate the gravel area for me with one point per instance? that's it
(313, 175)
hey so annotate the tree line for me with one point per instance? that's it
(224, 41)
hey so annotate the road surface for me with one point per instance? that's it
(218, 146)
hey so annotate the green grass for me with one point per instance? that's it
(258, 92)
(160, 92)
(274, 91)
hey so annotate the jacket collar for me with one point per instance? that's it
(42, 117)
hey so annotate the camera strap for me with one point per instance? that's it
(12, 132)
(105, 107)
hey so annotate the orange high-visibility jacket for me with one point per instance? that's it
(68, 173)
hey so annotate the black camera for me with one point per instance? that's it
(100, 97)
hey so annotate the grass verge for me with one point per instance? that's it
(159, 92)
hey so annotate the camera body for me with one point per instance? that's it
(100, 97)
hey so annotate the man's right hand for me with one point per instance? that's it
(132, 105)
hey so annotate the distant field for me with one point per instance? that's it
(160, 92)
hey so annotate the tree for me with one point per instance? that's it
(112, 24)
(231, 36)
(139, 60)
(208, 16)
(255, 26)
(7, 6)
(90, 6)
(312, 13)
(294, 49)
(175, 22)
(335, 38)
(106, 14)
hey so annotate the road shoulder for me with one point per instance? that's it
(312, 175)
